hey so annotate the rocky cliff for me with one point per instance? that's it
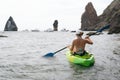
(111, 15)
(10, 25)
(89, 18)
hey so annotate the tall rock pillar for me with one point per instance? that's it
(89, 18)
(10, 25)
(55, 25)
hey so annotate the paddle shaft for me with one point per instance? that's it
(103, 28)
(60, 50)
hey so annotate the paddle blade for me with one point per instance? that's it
(103, 28)
(49, 55)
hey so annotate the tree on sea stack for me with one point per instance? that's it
(55, 25)
(10, 25)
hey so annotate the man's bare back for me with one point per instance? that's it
(80, 43)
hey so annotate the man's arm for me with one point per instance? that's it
(89, 41)
(71, 46)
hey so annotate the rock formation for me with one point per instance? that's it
(89, 18)
(55, 25)
(111, 15)
(3, 36)
(115, 23)
(10, 25)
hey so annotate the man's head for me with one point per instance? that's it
(79, 33)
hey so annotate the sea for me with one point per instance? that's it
(21, 57)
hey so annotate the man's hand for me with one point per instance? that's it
(87, 37)
(69, 46)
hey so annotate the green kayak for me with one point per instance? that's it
(86, 60)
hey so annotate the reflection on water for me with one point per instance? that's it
(21, 57)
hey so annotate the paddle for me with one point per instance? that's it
(99, 30)
(52, 54)
(103, 28)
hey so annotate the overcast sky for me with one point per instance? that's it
(40, 14)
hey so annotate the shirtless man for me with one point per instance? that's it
(78, 45)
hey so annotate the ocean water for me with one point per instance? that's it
(21, 57)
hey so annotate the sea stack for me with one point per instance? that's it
(10, 25)
(89, 18)
(110, 16)
(55, 25)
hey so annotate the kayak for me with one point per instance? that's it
(85, 60)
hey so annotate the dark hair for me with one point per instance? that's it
(80, 34)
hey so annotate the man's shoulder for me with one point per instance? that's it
(75, 39)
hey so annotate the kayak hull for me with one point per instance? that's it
(86, 60)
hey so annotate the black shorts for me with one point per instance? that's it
(80, 54)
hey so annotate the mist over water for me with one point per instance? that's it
(21, 57)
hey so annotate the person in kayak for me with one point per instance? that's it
(78, 44)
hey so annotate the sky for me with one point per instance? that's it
(40, 14)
